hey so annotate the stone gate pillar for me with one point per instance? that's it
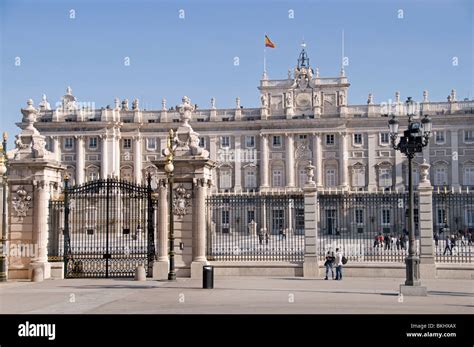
(34, 175)
(311, 257)
(425, 190)
(192, 181)
(161, 265)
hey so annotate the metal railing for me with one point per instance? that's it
(453, 226)
(368, 227)
(255, 227)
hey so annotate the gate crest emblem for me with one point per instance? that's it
(181, 201)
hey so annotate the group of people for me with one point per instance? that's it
(265, 236)
(334, 260)
(389, 241)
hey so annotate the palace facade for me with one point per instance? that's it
(301, 119)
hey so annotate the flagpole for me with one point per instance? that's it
(264, 60)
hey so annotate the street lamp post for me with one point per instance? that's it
(413, 140)
(3, 173)
(169, 168)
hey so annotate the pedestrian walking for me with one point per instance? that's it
(448, 246)
(260, 237)
(387, 240)
(329, 264)
(266, 238)
(338, 263)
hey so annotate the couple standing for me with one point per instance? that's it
(331, 261)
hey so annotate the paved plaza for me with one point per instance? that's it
(243, 295)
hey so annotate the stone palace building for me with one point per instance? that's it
(301, 118)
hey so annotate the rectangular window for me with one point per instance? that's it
(469, 176)
(385, 217)
(358, 178)
(470, 218)
(359, 216)
(278, 221)
(250, 216)
(93, 142)
(277, 141)
(302, 137)
(250, 180)
(302, 177)
(469, 135)
(439, 137)
(385, 177)
(127, 143)
(225, 217)
(384, 138)
(250, 141)
(441, 177)
(151, 143)
(69, 143)
(330, 177)
(330, 139)
(202, 142)
(357, 139)
(176, 120)
(225, 141)
(277, 178)
(226, 179)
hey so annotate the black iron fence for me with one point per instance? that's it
(366, 226)
(253, 227)
(453, 226)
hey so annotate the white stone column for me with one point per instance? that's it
(311, 261)
(57, 148)
(425, 212)
(343, 160)
(264, 160)
(40, 229)
(104, 167)
(137, 159)
(455, 158)
(399, 171)
(80, 160)
(213, 154)
(199, 235)
(290, 160)
(161, 265)
(371, 144)
(318, 159)
(238, 163)
(116, 149)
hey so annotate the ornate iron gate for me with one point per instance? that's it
(108, 228)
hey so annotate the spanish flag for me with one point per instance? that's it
(268, 42)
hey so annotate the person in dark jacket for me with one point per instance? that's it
(329, 264)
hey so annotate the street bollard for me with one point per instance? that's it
(208, 277)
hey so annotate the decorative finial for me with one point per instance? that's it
(425, 96)
(237, 102)
(5, 136)
(135, 104)
(68, 91)
(163, 104)
(213, 103)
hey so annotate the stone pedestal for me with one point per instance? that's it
(34, 175)
(192, 177)
(311, 264)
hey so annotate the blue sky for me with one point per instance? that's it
(171, 57)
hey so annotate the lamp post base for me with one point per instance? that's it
(172, 276)
(413, 290)
(412, 286)
(413, 271)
